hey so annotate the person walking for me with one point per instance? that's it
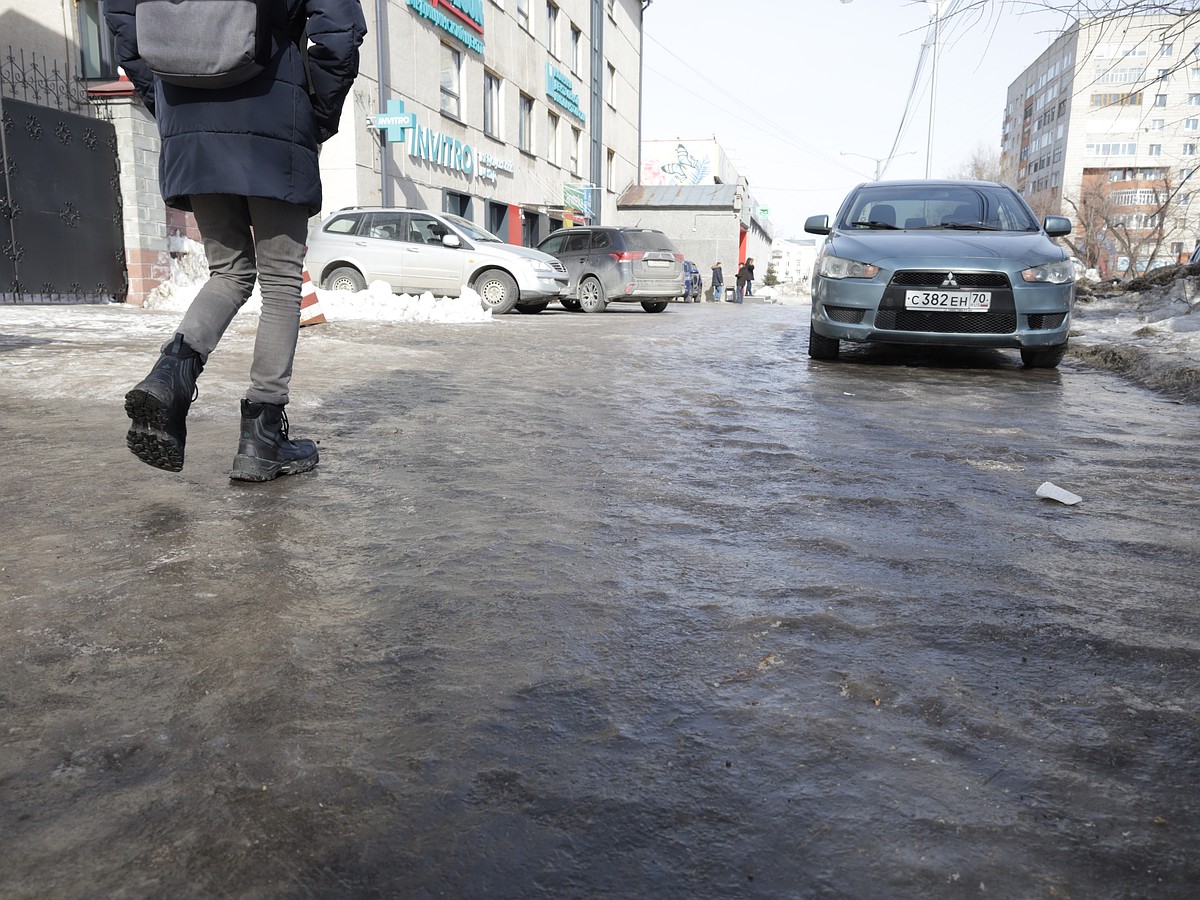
(718, 282)
(744, 276)
(243, 160)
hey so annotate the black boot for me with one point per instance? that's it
(264, 449)
(159, 406)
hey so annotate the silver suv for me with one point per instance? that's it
(609, 264)
(415, 250)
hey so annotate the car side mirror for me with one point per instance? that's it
(451, 240)
(1057, 226)
(817, 225)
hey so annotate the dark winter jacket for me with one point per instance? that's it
(258, 138)
(745, 274)
(718, 277)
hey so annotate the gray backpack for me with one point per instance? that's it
(204, 43)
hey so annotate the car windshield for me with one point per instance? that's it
(471, 230)
(970, 207)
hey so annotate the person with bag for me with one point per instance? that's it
(241, 112)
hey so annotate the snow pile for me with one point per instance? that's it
(1149, 331)
(189, 271)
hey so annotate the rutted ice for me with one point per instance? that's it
(189, 271)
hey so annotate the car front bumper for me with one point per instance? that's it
(1027, 316)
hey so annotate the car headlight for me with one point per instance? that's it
(836, 267)
(542, 267)
(1061, 272)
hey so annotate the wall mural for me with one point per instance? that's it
(677, 163)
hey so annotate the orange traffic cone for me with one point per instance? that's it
(310, 306)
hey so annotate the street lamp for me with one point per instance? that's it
(879, 163)
(936, 7)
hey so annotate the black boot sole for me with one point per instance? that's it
(148, 438)
(251, 468)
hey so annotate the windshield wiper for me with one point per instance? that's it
(969, 226)
(873, 224)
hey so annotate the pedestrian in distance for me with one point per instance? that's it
(718, 282)
(744, 276)
(241, 155)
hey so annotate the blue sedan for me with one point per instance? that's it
(962, 263)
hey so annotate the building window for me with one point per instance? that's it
(523, 14)
(1167, 50)
(525, 124)
(1191, 124)
(552, 138)
(552, 28)
(576, 50)
(1189, 149)
(96, 48)
(1156, 124)
(491, 104)
(1193, 100)
(1100, 101)
(1160, 99)
(610, 175)
(451, 81)
(1154, 150)
(576, 143)
(610, 85)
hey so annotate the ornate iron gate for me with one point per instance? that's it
(61, 238)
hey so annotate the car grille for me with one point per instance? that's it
(845, 314)
(919, 279)
(946, 322)
(1046, 321)
(558, 266)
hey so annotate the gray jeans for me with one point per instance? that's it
(247, 238)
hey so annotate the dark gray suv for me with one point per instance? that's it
(609, 265)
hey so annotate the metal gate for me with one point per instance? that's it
(61, 238)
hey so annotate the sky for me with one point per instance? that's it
(788, 86)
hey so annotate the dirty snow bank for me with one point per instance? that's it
(1150, 335)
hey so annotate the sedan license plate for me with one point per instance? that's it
(957, 301)
(657, 263)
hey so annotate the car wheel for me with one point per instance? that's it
(654, 305)
(533, 308)
(591, 295)
(497, 291)
(346, 279)
(570, 303)
(821, 347)
(1043, 357)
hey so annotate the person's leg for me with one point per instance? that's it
(280, 233)
(158, 405)
(265, 450)
(224, 223)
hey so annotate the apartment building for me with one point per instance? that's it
(1104, 127)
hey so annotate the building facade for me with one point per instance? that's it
(517, 114)
(1105, 127)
